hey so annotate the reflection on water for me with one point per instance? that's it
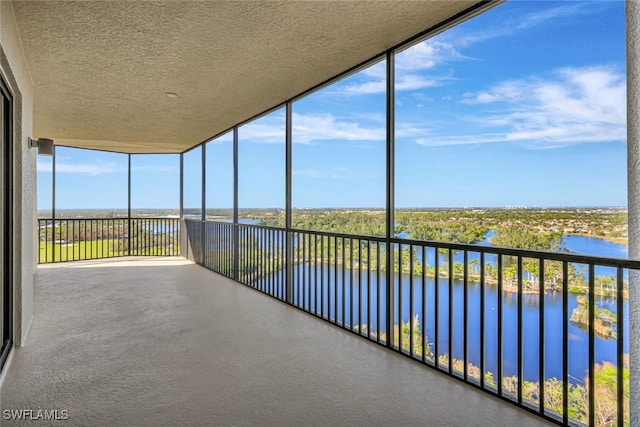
(329, 299)
(360, 291)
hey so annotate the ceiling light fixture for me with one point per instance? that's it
(171, 95)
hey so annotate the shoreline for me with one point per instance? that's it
(617, 240)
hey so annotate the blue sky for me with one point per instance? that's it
(521, 106)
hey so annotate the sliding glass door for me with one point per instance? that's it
(6, 239)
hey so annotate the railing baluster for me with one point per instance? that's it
(520, 343)
(322, 276)
(284, 267)
(217, 240)
(369, 289)
(450, 322)
(592, 346)
(436, 344)
(351, 284)
(217, 230)
(309, 261)
(242, 258)
(411, 343)
(315, 274)
(299, 264)
(378, 289)
(250, 258)
(499, 322)
(272, 262)
(620, 327)
(465, 311)
(335, 279)
(399, 306)
(359, 286)
(265, 261)
(260, 260)
(280, 280)
(305, 262)
(269, 262)
(344, 283)
(541, 344)
(483, 366)
(424, 305)
(565, 343)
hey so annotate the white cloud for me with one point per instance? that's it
(314, 128)
(364, 88)
(540, 17)
(86, 169)
(426, 55)
(324, 127)
(409, 64)
(402, 83)
(415, 66)
(439, 141)
(570, 106)
(270, 132)
(503, 92)
(460, 38)
(221, 140)
(576, 105)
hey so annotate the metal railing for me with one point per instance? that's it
(65, 239)
(545, 331)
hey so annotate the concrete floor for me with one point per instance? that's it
(164, 342)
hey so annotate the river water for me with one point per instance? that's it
(553, 318)
(356, 288)
(605, 349)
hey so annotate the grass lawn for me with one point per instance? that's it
(92, 249)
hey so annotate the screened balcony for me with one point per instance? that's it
(171, 343)
(293, 278)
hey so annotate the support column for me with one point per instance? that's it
(53, 204)
(181, 213)
(390, 206)
(633, 190)
(236, 234)
(288, 201)
(129, 206)
(184, 237)
(203, 213)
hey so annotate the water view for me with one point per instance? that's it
(578, 336)
(364, 288)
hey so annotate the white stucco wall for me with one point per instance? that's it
(14, 70)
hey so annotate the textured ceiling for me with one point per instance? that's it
(101, 68)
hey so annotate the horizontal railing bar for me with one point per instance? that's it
(119, 218)
(342, 235)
